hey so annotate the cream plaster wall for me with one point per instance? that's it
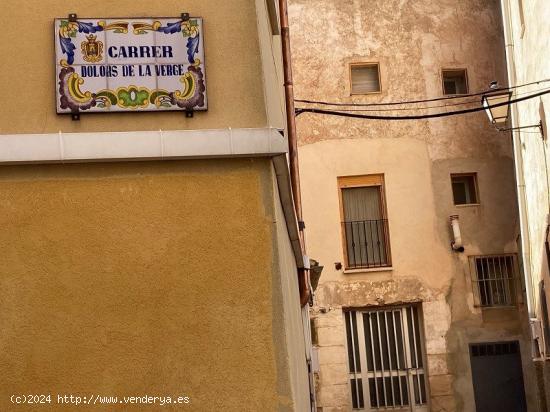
(528, 49)
(530, 53)
(408, 196)
(412, 41)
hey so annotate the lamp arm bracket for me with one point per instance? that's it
(508, 129)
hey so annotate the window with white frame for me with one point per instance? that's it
(386, 359)
(493, 278)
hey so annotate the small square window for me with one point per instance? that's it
(365, 78)
(455, 81)
(464, 189)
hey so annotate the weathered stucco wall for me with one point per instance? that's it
(412, 41)
(527, 31)
(127, 279)
(233, 66)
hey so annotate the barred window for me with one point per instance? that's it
(364, 224)
(386, 359)
(493, 279)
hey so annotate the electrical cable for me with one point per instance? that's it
(411, 108)
(462, 96)
(301, 110)
(430, 107)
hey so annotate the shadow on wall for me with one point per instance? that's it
(542, 114)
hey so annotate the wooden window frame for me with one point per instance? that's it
(454, 69)
(364, 64)
(346, 182)
(476, 189)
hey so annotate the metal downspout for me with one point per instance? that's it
(303, 273)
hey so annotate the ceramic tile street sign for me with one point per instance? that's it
(112, 65)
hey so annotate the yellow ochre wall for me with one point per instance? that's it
(232, 58)
(144, 278)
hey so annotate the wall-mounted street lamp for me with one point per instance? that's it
(497, 106)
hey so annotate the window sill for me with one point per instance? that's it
(468, 205)
(502, 307)
(365, 93)
(368, 270)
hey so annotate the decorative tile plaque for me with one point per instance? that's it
(108, 65)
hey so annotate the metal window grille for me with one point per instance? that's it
(494, 348)
(386, 364)
(493, 279)
(367, 243)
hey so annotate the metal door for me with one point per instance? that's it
(386, 361)
(497, 377)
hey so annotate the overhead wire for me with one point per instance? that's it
(343, 113)
(462, 96)
(476, 101)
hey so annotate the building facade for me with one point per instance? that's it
(148, 255)
(421, 305)
(527, 54)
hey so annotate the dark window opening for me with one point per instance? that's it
(455, 82)
(464, 189)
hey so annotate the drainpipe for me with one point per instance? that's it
(518, 162)
(303, 273)
(456, 244)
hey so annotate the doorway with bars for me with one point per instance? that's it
(386, 359)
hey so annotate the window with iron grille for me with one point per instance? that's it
(493, 279)
(386, 359)
(364, 223)
(494, 348)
